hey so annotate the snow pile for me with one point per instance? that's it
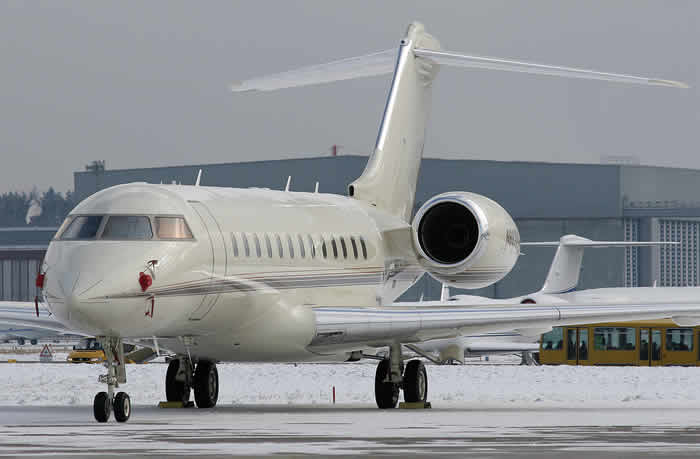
(76, 384)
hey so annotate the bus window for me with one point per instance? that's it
(553, 340)
(679, 339)
(614, 338)
(571, 344)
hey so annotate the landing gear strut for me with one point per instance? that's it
(391, 377)
(106, 402)
(182, 376)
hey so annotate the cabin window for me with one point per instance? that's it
(268, 246)
(280, 249)
(553, 340)
(335, 247)
(258, 252)
(364, 247)
(343, 247)
(234, 244)
(291, 246)
(312, 247)
(128, 227)
(679, 339)
(302, 249)
(246, 246)
(323, 248)
(615, 338)
(83, 227)
(172, 228)
(354, 246)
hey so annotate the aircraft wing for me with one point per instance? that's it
(339, 328)
(19, 313)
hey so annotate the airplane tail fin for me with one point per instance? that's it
(389, 179)
(565, 270)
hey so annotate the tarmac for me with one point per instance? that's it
(353, 431)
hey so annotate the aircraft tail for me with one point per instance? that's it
(389, 179)
(565, 270)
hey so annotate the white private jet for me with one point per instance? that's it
(562, 279)
(223, 274)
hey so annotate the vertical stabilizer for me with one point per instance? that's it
(389, 179)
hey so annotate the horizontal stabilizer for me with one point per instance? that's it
(490, 63)
(379, 63)
(598, 244)
(384, 62)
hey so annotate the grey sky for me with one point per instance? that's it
(146, 83)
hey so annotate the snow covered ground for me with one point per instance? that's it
(480, 410)
(482, 385)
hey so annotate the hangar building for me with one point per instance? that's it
(547, 200)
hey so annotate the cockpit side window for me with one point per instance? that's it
(128, 227)
(172, 228)
(63, 227)
(83, 227)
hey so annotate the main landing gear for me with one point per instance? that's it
(182, 376)
(106, 402)
(392, 377)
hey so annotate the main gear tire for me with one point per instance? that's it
(175, 391)
(415, 382)
(206, 384)
(386, 393)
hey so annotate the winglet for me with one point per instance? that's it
(199, 177)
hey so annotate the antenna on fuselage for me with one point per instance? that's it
(199, 177)
(316, 189)
(289, 182)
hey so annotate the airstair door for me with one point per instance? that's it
(219, 261)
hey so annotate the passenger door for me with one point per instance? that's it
(219, 260)
(577, 346)
(650, 347)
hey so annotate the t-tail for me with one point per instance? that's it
(389, 179)
(565, 270)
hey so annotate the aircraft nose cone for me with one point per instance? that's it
(68, 292)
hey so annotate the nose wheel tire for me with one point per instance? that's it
(175, 391)
(122, 407)
(385, 392)
(415, 382)
(102, 407)
(206, 384)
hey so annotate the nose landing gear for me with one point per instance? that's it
(106, 402)
(391, 377)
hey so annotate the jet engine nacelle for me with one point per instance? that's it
(465, 240)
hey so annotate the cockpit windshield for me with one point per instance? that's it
(84, 227)
(124, 227)
(128, 227)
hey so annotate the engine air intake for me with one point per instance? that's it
(448, 233)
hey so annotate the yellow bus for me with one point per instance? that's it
(641, 343)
